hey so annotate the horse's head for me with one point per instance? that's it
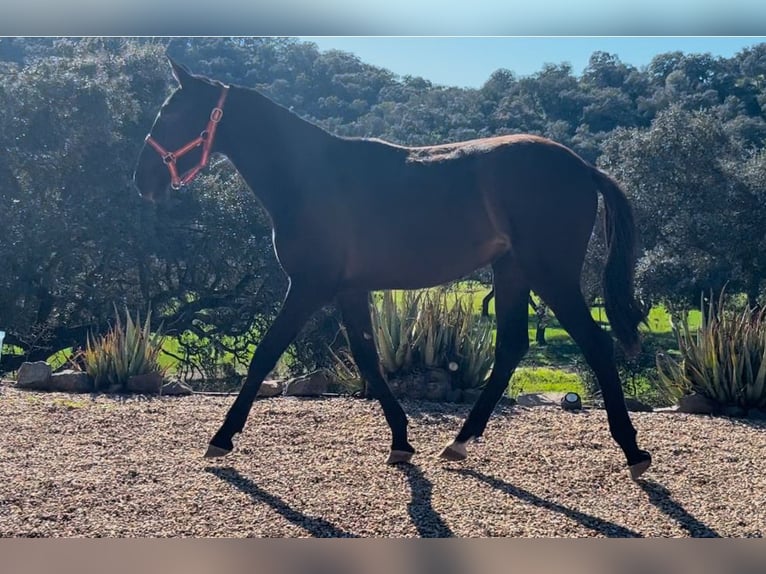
(182, 137)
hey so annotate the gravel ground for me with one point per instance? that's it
(91, 466)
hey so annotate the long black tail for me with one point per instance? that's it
(624, 311)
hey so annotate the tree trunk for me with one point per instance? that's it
(540, 334)
(485, 303)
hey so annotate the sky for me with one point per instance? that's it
(469, 61)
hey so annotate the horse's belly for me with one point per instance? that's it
(422, 262)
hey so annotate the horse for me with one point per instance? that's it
(354, 215)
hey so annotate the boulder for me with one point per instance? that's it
(311, 385)
(636, 406)
(735, 411)
(176, 389)
(667, 410)
(697, 404)
(436, 385)
(398, 388)
(540, 399)
(34, 376)
(146, 384)
(271, 389)
(414, 387)
(470, 395)
(70, 381)
(454, 396)
(757, 414)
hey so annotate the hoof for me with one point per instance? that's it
(399, 456)
(216, 451)
(639, 468)
(455, 451)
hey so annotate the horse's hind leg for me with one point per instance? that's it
(511, 299)
(355, 307)
(566, 301)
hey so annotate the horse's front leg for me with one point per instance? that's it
(303, 298)
(355, 307)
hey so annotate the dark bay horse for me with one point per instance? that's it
(354, 215)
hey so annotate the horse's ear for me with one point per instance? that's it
(180, 73)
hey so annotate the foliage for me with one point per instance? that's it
(724, 359)
(431, 329)
(77, 236)
(686, 175)
(394, 324)
(685, 137)
(125, 351)
(318, 343)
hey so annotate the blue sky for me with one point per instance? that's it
(468, 61)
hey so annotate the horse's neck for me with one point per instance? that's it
(268, 145)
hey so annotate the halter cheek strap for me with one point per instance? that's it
(205, 139)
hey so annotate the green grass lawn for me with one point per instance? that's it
(544, 380)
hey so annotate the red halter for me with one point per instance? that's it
(205, 139)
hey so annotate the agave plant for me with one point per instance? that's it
(724, 359)
(428, 330)
(125, 351)
(394, 326)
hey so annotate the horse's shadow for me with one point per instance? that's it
(317, 527)
(604, 527)
(427, 521)
(660, 497)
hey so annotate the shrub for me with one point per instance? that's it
(638, 375)
(430, 329)
(723, 359)
(126, 350)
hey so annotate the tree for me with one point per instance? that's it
(696, 210)
(78, 239)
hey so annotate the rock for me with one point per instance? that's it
(146, 384)
(506, 401)
(636, 406)
(34, 376)
(540, 399)
(70, 381)
(697, 404)
(414, 387)
(311, 385)
(271, 388)
(397, 387)
(757, 414)
(176, 389)
(735, 411)
(470, 396)
(436, 385)
(667, 410)
(454, 396)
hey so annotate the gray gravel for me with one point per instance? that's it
(91, 466)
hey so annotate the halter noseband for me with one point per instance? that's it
(205, 139)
